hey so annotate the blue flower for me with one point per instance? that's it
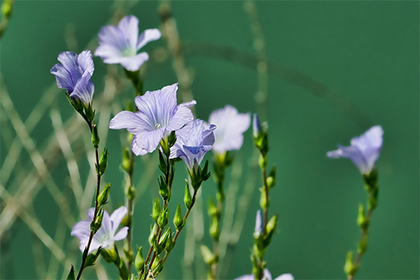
(74, 74)
(193, 141)
(157, 116)
(106, 235)
(230, 128)
(120, 44)
(267, 276)
(363, 150)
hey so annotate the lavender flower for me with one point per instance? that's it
(363, 150)
(74, 73)
(230, 128)
(267, 276)
(120, 44)
(105, 236)
(193, 142)
(157, 116)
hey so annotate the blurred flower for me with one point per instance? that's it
(105, 236)
(193, 141)
(120, 44)
(363, 150)
(258, 225)
(267, 276)
(74, 73)
(157, 116)
(230, 128)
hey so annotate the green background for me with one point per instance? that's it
(366, 53)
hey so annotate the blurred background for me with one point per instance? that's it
(319, 72)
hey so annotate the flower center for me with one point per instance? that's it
(129, 52)
(158, 125)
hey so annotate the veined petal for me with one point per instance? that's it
(149, 140)
(286, 276)
(129, 26)
(116, 218)
(182, 116)
(106, 227)
(112, 35)
(133, 63)
(84, 89)
(84, 59)
(63, 77)
(137, 150)
(121, 234)
(129, 121)
(147, 36)
(81, 230)
(109, 53)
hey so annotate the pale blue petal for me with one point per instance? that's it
(246, 277)
(149, 140)
(110, 54)
(147, 36)
(133, 63)
(83, 89)
(137, 150)
(106, 227)
(63, 77)
(258, 224)
(286, 276)
(116, 218)
(267, 275)
(121, 234)
(112, 35)
(84, 59)
(81, 230)
(129, 26)
(128, 120)
(182, 116)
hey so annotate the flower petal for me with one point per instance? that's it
(246, 277)
(90, 213)
(63, 77)
(84, 89)
(121, 234)
(128, 120)
(286, 276)
(147, 140)
(182, 116)
(81, 230)
(129, 26)
(109, 53)
(112, 35)
(116, 218)
(147, 36)
(84, 59)
(133, 63)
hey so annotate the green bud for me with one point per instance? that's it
(264, 200)
(272, 223)
(90, 113)
(153, 233)
(214, 229)
(139, 261)
(103, 162)
(91, 258)
(6, 10)
(156, 210)
(165, 146)
(96, 223)
(71, 274)
(103, 196)
(361, 219)
(157, 265)
(130, 192)
(163, 218)
(95, 137)
(212, 209)
(169, 242)
(271, 179)
(162, 241)
(187, 197)
(126, 160)
(262, 161)
(178, 219)
(349, 267)
(208, 256)
(163, 188)
(172, 139)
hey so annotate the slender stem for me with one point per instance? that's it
(98, 184)
(264, 171)
(129, 203)
(178, 231)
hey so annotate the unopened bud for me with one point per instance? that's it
(103, 162)
(95, 137)
(156, 209)
(178, 219)
(208, 256)
(163, 218)
(103, 196)
(139, 261)
(187, 197)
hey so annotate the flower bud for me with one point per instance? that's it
(91, 258)
(163, 218)
(212, 209)
(162, 241)
(95, 137)
(349, 268)
(103, 162)
(178, 219)
(157, 265)
(214, 229)
(187, 197)
(103, 196)
(208, 256)
(271, 179)
(126, 160)
(169, 242)
(156, 210)
(264, 199)
(153, 232)
(95, 225)
(361, 219)
(163, 188)
(139, 261)
(110, 255)
(362, 245)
